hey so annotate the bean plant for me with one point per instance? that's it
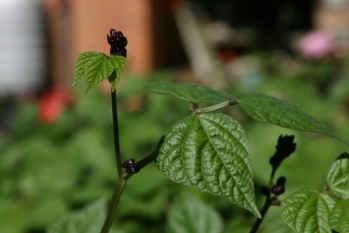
(208, 151)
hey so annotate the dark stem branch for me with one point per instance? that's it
(264, 211)
(116, 134)
(267, 203)
(151, 157)
(271, 181)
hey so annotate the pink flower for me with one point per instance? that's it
(316, 45)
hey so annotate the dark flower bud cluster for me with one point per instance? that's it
(130, 166)
(276, 190)
(279, 188)
(118, 42)
(284, 148)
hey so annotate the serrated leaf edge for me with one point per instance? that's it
(186, 181)
(82, 62)
(176, 91)
(319, 195)
(94, 78)
(329, 132)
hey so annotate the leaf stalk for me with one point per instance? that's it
(264, 211)
(215, 107)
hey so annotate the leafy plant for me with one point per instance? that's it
(208, 151)
(308, 210)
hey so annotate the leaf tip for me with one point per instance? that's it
(87, 90)
(254, 210)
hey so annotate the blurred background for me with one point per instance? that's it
(56, 147)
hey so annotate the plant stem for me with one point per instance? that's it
(148, 159)
(122, 177)
(264, 211)
(116, 134)
(266, 206)
(215, 107)
(114, 202)
(271, 181)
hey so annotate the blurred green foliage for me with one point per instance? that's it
(47, 171)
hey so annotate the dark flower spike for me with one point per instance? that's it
(284, 148)
(118, 42)
(119, 52)
(113, 32)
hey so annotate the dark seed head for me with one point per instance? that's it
(277, 190)
(284, 148)
(119, 34)
(119, 52)
(113, 32)
(128, 163)
(117, 42)
(281, 181)
(130, 166)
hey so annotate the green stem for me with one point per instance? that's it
(215, 107)
(327, 190)
(264, 211)
(114, 202)
(116, 134)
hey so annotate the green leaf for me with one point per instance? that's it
(119, 63)
(82, 63)
(268, 109)
(96, 67)
(209, 152)
(307, 211)
(191, 215)
(97, 70)
(339, 216)
(338, 176)
(189, 92)
(88, 220)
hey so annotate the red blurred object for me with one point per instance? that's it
(227, 54)
(53, 102)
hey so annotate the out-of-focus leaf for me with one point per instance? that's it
(338, 176)
(273, 222)
(88, 220)
(189, 92)
(190, 215)
(308, 211)
(209, 152)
